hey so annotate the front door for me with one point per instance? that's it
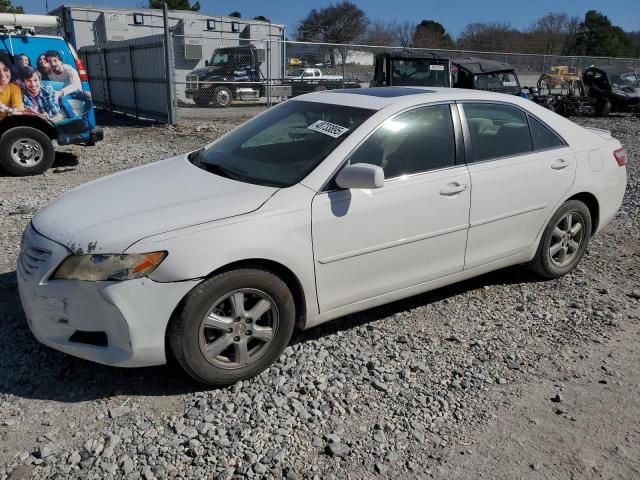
(370, 242)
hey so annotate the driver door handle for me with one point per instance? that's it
(453, 189)
(559, 164)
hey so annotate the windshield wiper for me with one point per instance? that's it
(220, 170)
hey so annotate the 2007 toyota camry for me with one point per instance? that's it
(324, 205)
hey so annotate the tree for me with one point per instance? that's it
(598, 37)
(490, 37)
(175, 5)
(404, 33)
(343, 22)
(381, 33)
(262, 18)
(431, 34)
(6, 7)
(235, 14)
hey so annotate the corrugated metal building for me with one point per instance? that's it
(195, 36)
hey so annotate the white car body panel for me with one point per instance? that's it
(104, 215)
(511, 198)
(368, 242)
(348, 250)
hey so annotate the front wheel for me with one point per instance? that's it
(564, 240)
(233, 326)
(26, 151)
(222, 97)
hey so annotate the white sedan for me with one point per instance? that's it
(325, 205)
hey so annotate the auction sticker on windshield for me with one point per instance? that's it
(436, 67)
(328, 128)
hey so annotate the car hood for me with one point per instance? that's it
(110, 214)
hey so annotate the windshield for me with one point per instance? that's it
(283, 145)
(628, 79)
(220, 57)
(297, 72)
(421, 73)
(496, 81)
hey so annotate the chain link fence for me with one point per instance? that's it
(216, 78)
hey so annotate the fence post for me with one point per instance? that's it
(168, 64)
(106, 74)
(269, 72)
(344, 61)
(133, 81)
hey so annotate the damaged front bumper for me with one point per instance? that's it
(114, 323)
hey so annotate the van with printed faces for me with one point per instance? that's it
(44, 96)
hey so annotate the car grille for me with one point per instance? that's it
(32, 258)
(192, 82)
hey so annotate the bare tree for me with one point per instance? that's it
(404, 33)
(381, 33)
(490, 37)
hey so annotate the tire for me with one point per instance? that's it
(229, 348)
(604, 108)
(549, 261)
(201, 101)
(222, 97)
(26, 151)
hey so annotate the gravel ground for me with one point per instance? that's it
(453, 383)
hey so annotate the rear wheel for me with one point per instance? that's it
(233, 326)
(26, 151)
(564, 240)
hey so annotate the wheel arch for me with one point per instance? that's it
(32, 121)
(592, 204)
(285, 273)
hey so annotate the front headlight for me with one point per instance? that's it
(95, 268)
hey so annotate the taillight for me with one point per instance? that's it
(82, 70)
(621, 157)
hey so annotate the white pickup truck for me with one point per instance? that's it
(310, 74)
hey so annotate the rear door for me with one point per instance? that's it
(520, 170)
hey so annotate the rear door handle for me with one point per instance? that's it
(560, 164)
(453, 189)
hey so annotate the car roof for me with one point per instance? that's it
(612, 69)
(480, 65)
(377, 98)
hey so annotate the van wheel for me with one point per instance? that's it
(564, 240)
(232, 326)
(222, 97)
(26, 151)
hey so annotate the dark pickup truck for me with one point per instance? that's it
(233, 73)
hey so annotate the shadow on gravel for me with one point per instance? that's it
(65, 159)
(32, 370)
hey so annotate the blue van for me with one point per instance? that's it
(44, 96)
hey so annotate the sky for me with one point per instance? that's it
(454, 15)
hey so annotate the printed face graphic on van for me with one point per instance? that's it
(5, 74)
(43, 64)
(56, 64)
(32, 84)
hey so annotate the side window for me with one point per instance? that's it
(497, 131)
(543, 137)
(412, 142)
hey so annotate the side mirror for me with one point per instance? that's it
(360, 175)
(206, 63)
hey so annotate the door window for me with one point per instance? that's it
(415, 141)
(497, 131)
(543, 137)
